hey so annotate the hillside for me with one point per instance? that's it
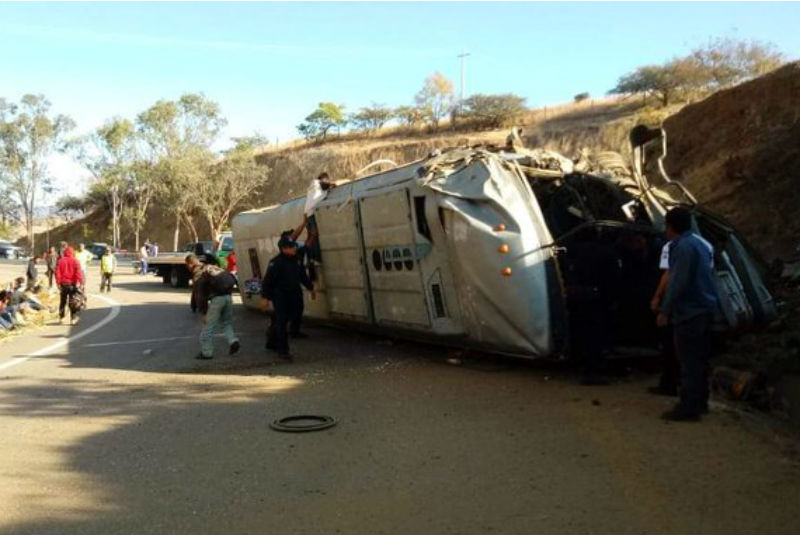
(600, 125)
(737, 150)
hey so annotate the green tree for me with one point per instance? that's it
(721, 63)
(320, 122)
(29, 134)
(177, 137)
(371, 118)
(494, 111)
(69, 206)
(665, 82)
(435, 99)
(9, 208)
(229, 184)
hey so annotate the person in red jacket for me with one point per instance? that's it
(69, 278)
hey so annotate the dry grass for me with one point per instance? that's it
(587, 112)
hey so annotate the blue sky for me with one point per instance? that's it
(269, 64)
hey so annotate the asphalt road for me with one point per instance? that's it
(118, 429)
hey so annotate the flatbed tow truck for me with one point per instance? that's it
(171, 266)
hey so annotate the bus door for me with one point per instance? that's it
(392, 261)
(346, 286)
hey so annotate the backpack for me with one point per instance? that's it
(77, 301)
(222, 283)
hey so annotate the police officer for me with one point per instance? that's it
(592, 277)
(281, 286)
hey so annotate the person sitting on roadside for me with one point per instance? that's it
(9, 319)
(69, 278)
(211, 292)
(23, 298)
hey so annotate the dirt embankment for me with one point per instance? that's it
(739, 152)
(601, 126)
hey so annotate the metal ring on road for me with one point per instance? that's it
(320, 423)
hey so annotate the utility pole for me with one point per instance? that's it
(114, 218)
(462, 57)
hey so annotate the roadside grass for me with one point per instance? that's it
(34, 319)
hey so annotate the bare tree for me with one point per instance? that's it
(435, 98)
(110, 154)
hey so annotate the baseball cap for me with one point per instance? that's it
(286, 241)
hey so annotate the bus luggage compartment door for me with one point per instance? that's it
(397, 290)
(346, 287)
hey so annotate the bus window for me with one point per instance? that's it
(422, 220)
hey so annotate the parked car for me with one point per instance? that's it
(10, 251)
(98, 249)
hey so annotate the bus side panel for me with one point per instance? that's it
(398, 296)
(343, 263)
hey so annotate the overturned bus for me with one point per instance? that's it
(479, 247)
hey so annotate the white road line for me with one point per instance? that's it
(151, 340)
(115, 308)
(147, 341)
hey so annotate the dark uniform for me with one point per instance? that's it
(281, 285)
(591, 279)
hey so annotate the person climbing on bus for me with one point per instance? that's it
(281, 286)
(317, 191)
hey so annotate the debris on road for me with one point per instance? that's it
(302, 423)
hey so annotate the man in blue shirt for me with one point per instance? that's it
(689, 304)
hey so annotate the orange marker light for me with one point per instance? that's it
(504, 248)
(499, 228)
(506, 272)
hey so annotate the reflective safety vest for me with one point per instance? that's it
(107, 263)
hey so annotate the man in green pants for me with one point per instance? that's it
(212, 296)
